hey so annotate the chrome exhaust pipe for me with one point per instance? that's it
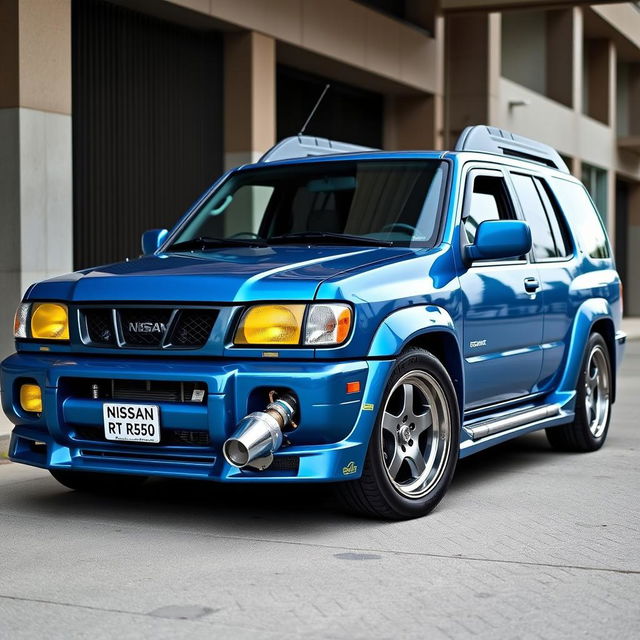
(259, 434)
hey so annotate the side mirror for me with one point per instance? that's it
(152, 239)
(496, 239)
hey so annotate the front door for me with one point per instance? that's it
(502, 309)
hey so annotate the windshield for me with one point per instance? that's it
(346, 202)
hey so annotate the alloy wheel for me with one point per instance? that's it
(596, 387)
(416, 434)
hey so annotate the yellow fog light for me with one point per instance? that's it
(50, 321)
(271, 324)
(31, 398)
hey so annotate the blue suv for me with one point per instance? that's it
(331, 314)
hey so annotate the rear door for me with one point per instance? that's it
(502, 311)
(552, 253)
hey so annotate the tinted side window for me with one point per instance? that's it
(557, 222)
(582, 216)
(544, 245)
(489, 201)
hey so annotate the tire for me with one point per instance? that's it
(104, 483)
(414, 447)
(589, 429)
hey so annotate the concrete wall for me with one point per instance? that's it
(10, 257)
(35, 154)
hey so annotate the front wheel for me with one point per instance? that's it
(91, 482)
(414, 446)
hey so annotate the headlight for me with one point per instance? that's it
(50, 321)
(327, 324)
(273, 324)
(20, 320)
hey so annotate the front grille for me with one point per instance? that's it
(100, 326)
(285, 463)
(136, 390)
(176, 437)
(147, 327)
(192, 328)
(148, 457)
(144, 327)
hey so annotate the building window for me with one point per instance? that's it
(595, 179)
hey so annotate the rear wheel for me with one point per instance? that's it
(589, 429)
(413, 449)
(105, 483)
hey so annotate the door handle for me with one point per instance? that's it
(531, 285)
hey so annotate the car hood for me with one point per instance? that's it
(224, 275)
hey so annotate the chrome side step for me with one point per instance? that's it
(517, 419)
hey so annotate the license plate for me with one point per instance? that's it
(131, 422)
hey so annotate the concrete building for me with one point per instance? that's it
(116, 114)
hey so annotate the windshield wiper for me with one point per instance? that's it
(206, 242)
(327, 237)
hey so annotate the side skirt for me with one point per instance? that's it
(486, 432)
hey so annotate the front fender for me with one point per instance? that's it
(401, 327)
(429, 327)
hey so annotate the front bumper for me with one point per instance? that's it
(329, 445)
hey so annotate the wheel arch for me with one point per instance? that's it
(593, 316)
(445, 348)
(427, 327)
(606, 328)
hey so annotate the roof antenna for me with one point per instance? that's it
(315, 108)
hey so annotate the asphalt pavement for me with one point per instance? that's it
(528, 543)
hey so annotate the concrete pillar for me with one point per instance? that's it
(35, 149)
(417, 121)
(611, 61)
(411, 122)
(575, 166)
(249, 96)
(577, 58)
(249, 113)
(472, 75)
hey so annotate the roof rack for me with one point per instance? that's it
(493, 140)
(305, 146)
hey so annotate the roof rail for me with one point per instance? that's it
(305, 146)
(493, 140)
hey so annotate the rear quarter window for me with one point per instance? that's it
(583, 218)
